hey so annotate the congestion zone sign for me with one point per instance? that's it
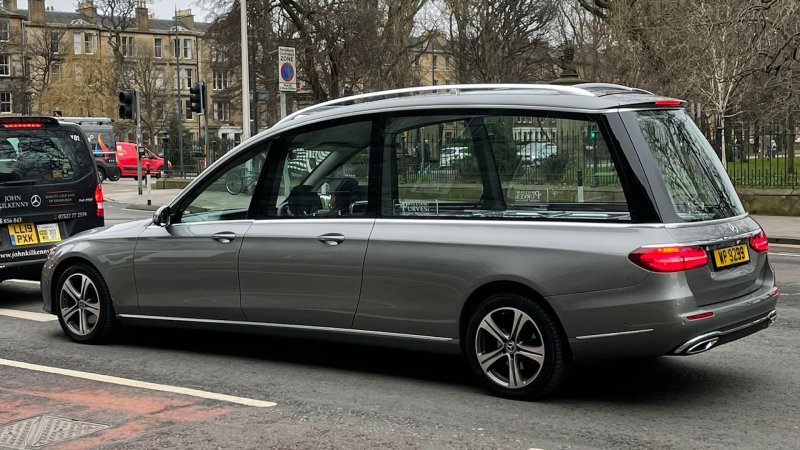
(286, 69)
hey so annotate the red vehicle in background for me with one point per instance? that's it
(126, 160)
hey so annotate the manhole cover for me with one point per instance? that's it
(39, 431)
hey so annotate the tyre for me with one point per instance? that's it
(234, 183)
(516, 348)
(101, 174)
(83, 305)
(114, 177)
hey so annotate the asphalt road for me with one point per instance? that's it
(741, 395)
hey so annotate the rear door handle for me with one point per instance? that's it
(225, 237)
(331, 238)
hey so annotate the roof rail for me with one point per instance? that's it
(453, 89)
(599, 87)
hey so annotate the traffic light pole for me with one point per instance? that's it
(138, 143)
(204, 99)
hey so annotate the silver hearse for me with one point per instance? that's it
(629, 240)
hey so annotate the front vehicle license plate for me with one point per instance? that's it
(729, 256)
(22, 234)
(48, 232)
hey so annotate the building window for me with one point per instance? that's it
(220, 80)
(127, 46)
(55, 42)
(446, 63)
(159, 79)
(188, 113)
(187, 49)
(77, 43)
(176, 46)
(5, 66)
(4, 30)
(222, 111)
(88, 43)
(188, 78)
(416, 61)
(218, 55)
(5, 102)
(55, 72)
(159, 46)
(434, 61)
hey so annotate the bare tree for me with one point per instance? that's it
(154, 87)
(503, 40)
(45, 52)
(115, 17)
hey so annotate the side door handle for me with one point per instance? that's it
(225, 237)
(331, 239)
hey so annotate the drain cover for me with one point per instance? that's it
(36, 432)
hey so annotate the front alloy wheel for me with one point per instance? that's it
(84, 305)
(516, 347)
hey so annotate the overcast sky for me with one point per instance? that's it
(164, 9)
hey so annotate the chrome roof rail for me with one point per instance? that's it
(593, 87)
(453, 89)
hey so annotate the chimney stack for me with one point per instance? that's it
(185, 18)
(142, 17)
(88, 9)
(36, 11)
(10, 5)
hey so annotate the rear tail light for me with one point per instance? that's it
(671, 258)
(668, 102)
(22, 125)
(759, 242)
(98, 198)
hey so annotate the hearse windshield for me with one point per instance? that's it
(42, 156)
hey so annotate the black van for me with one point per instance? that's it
(49, 191)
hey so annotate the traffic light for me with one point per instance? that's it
(127, 104)
(197, 97)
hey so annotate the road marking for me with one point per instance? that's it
(138, 384)
(35, 316)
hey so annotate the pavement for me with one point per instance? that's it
(779, 229)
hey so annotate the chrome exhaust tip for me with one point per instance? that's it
(702, 346)
(772, 316)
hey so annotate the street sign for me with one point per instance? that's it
(286, 69)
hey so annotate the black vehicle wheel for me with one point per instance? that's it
(83, 305)
(516, 348)
(114, 177)
(101, 174)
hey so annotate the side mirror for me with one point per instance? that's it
(163, 217)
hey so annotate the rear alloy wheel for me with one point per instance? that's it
(516, 348)
(101, 174)
(84, 305)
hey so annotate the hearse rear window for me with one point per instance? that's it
(42, 156)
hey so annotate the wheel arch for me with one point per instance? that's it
(59, 270)
(497, 287)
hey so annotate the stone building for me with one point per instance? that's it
(75, 62)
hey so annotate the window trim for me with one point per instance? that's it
(5, 28)
(10, 103)
(7, 65)
(158, 47)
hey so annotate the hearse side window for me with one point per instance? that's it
(509, 166)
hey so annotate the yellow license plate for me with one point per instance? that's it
(729, 256)
(48, 232)
(23, 234)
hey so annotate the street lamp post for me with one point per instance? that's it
(245, 72)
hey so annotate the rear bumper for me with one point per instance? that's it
(674, 334)
(707, 341)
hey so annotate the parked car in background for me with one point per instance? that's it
(49, 191)
(519, 276)
(449, 155)
(533, 153)
(126, 153)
